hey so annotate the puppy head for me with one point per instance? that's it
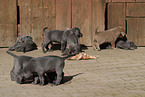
(121, 30)
(77, 32)
(20, 78)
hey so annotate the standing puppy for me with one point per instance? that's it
(41, 66)
(73, 45)
(59, 36)
(109, 36)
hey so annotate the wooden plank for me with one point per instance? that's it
(36, 20)
(107, 1)
(123, 0)
(136, 30)
(135, 9)
(140, 0)
(98, 16)
(81, 17)
(63, 14)
(25, 17)
(116, 15)
(42, 15)
(49, 14)
(8, 22)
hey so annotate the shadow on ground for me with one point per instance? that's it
(69, 78)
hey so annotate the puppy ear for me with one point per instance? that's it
(122, 33)
(96, 31)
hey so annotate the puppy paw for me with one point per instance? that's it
(50, 50)
(53, 84)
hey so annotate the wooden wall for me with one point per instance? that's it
(131, 15)
(56, 14)
(8, 22)
(61, 14)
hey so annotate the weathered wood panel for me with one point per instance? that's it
(63, 14)
(37, 20)
(136, 30)
(8, 22)
(108, 1)
(140, 0)
(81, 17)
(136, 9)
(25, 17)
(35, 15)
(98, 16)
(48, 17)
(49, 14)
(116, 15)
(123, 0)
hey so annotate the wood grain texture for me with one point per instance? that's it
(8, 22)
(98, 16)
(123, 0)
(136, 30)
(116, 15)
(140, 0)
(81, 17)
(63, 14)
(135, 9)
(25, 17)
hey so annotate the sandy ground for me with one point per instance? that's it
(116, 73)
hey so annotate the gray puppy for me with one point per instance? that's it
(23, 44)
(19, 63)
(59, 36)
(107, 36)
(73, 45)
(40, 66)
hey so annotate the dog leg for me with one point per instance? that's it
(41, 78)
(63, 45)
(66, 52)
(45, 45)
(36, 80)
(98, 46)
(94, 46)
(58, 78)
(113, 44)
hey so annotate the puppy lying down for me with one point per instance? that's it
(108, 36)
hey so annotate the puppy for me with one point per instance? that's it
(41, 66)
(19, 63)
(73, 45)
(23, 44)
(128, 45)
(108, 36)
(59, 36)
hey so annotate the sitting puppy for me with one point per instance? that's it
(73, 45)
(108, 36)
(40, 66)
(58, 36)
(19, 63)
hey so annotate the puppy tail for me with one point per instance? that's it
(11, 54)
(45, 29)
(96, 32)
